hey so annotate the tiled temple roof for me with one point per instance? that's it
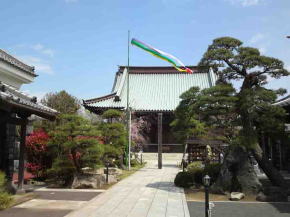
(151, 88)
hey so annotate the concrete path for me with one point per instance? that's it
(147, 193)
(52, 202)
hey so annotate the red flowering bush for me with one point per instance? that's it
(37, 156)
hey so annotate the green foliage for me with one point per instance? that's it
(196, 165)
(112, 113)
(62, 171)
(134, 162)
(253, 104)
(212, 170)
(196, 169)
(5, 198)
(183, 179)
(62, 101)
(114, 136)
(77, 139)
(186, 121)
(2, 181)
(200, 113)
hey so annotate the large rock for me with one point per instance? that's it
(236, 196)
(96, 181)
(237, 173)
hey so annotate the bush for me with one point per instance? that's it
(183, 179)
(194, 166)
(5, 200)
(195, 169)
(213, 171)
(2, 181)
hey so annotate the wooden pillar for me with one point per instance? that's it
(159, 140)
(21, 156)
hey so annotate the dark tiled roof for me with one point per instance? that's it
(16, 63)
(22, 101)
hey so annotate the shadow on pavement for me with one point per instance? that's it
(281, 207)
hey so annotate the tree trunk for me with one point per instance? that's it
(272, 173)
(237, 173)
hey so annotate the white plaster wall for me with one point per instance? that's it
(14, 76)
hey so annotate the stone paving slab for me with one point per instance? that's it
(20, 212)
(51, 204)
(71, 196)
(149, 192)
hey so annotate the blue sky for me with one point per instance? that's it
(77, 45)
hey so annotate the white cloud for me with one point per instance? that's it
(39, 95)
(256, 38)
(258, 41)
(40, 65)
(40, 48)
(245, 3)
(70, 1)
(262, 50)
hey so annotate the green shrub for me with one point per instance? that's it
(2, 181)
(112, 113)
(5, 200)
(195, 169)
(194, 166)
(183, 179)
(212, 170)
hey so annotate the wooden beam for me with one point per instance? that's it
(21, 157)
(159, 140)
(12, 120)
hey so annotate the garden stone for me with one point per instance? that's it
(111, 178)
(236, 196)
(237, 174)
(88, 181)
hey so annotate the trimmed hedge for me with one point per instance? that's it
(183, 179)
(198, 171)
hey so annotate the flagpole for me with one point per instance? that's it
(128, 108)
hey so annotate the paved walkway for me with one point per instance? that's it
(147, 193)
(52, 202)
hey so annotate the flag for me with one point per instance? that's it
(162, 55)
